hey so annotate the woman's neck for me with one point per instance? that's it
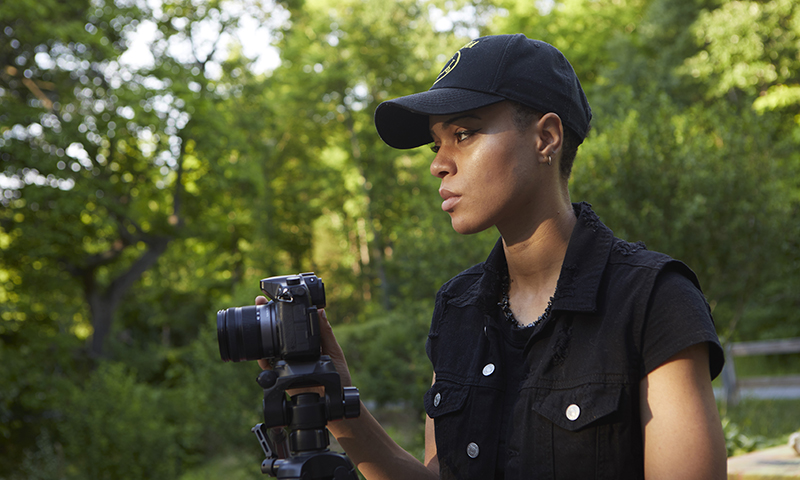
(535, 257)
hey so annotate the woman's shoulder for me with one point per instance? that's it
(480, 277)
(637, 255)
(464, 281)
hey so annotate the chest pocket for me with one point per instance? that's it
(447, 404)
(445, 397)
(575, 408)
(578, 432)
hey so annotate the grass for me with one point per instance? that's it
(772, 365)
(230, 466)
(754, 424)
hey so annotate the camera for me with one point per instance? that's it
(286, 332)
(286, 328)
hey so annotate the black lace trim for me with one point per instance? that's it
(505, 306)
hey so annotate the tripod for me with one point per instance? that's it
(304, 454)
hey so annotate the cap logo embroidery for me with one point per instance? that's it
(453, 61)
(449, 67)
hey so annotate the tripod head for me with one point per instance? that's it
(304, 454)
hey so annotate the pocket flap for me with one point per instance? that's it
(574, 408)
(445, 397)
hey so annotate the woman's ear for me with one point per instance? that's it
(551, 135)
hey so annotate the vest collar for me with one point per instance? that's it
(586, 259)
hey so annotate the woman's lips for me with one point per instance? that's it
(449, 198)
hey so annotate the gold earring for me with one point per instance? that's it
(549, 159)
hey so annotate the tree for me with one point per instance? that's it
(749, 48)
(749, 56)
(105, 164)
(727, 219)
(348, 57)
(106, 167)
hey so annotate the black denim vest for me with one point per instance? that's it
(577, 409)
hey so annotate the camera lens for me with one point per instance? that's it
(247, 333)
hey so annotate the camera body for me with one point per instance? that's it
(286, 328)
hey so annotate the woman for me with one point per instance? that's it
(568, 353)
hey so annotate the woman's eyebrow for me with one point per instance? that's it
(456, 118)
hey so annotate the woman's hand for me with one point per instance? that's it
(329, 346)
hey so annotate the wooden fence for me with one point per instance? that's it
(732, 386)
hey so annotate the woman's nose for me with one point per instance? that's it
(442, 164)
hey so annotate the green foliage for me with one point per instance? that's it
(45, 463)
(683, 181)
(737, 443)
(229, 467)
(750, 47)
(35, 351)
(386, 354)
(115, 426)
(755, 423)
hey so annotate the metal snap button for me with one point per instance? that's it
(473, 450)
(488, 369)
(437, 399)
(573, 412)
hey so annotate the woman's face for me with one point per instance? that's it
(488, 168)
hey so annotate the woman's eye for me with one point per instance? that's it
(462, 135)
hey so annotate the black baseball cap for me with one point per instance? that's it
(485, 71)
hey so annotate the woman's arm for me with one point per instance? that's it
(374, 453)
(367, 444)
(682, 432)
(431, 456)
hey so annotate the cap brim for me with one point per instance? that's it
(403, 122)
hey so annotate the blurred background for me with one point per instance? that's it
(158, 158)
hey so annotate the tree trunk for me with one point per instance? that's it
(104, 302)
